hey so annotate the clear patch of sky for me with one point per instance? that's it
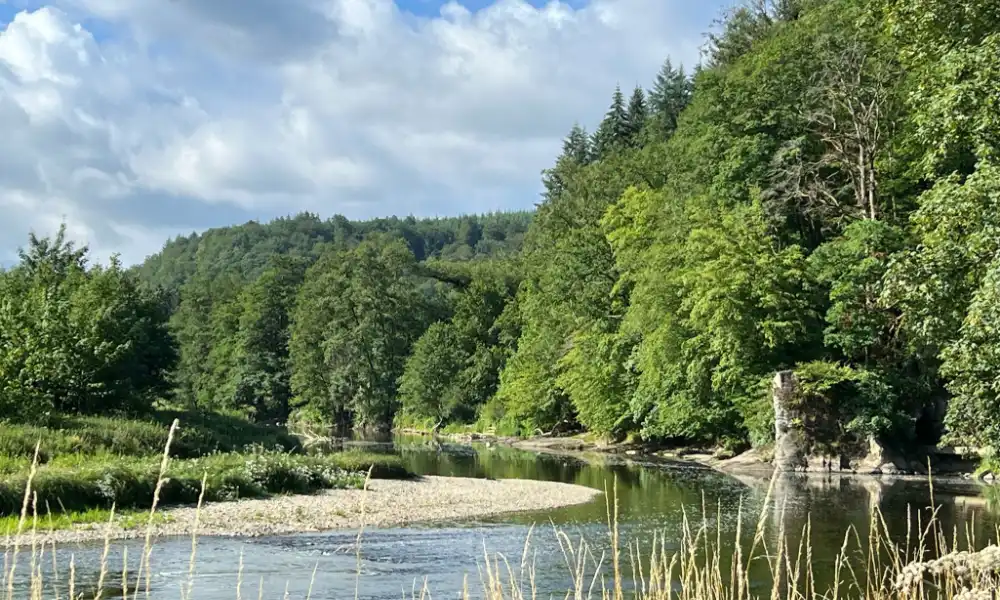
(7, 12)
(101, 30)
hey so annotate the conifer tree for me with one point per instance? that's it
(576, 146)
(637, 114)
(671, 93)
(613, 131)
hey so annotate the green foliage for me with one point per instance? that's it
(356, 317)
(199, 435)
(80, 483)
(73, 338)
(853, 266)
(954, 71)
(246, 250)
(741, 308)
(262, 367)
(615, 131)
(669, 97)
(455, 366)
(427, 387)
(933, 282)
(844, 404)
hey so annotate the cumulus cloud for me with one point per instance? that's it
(135, 121)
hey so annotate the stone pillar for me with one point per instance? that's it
(790, 452)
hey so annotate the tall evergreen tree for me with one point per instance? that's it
(613, 132)
(638, 112)
(577, 151)
(576, 146)
(671, 93)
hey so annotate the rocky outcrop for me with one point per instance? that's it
(791, 448)
(797, 450)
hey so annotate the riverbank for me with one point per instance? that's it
(386, 503)
(755, 462)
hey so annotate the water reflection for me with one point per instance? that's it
(650, 499)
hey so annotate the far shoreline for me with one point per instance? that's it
(385, 503)
(748, 464)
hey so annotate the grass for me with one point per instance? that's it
(61, 521)
(383, 466)
(200, 434)
(79, 483)
(85, 465)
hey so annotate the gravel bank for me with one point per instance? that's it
(386, 503)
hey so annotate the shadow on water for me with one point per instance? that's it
(650, 499)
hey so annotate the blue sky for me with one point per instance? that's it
(135, 121)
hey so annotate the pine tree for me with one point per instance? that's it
(577, 152)
(576, 146)
(613, 132)
(637, 114)
(670, 95)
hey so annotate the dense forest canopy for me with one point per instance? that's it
(820, 195)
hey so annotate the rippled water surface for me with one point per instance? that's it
(397, 562)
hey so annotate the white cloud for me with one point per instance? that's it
(176, 115)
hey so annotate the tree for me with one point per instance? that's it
(614, 131)
(734, 308)
(944, 289)
(636, 115)
(262, 371)
(853, 115)
(577, 152)
(355, 321)
(576, 146)
(427, 386)
(80, 340)
(455, 365)
(748, 23)
(953, 76)
(671, 93)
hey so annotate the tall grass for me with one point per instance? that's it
(80, 466)
(201, 434)
(927, 562)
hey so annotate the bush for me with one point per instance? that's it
(384, 466)
(198, 435)
(78, 483)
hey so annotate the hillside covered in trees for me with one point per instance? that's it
(821, 195)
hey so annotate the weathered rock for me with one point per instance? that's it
(880, 461)
(790, 444)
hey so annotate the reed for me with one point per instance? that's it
(928, 562)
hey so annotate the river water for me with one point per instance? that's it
(651, 499)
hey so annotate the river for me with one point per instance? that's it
(652, 498)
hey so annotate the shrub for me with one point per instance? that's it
(80, 483)
(198, 435)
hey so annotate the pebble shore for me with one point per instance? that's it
(386, 503)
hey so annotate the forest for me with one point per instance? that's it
(820, 194)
